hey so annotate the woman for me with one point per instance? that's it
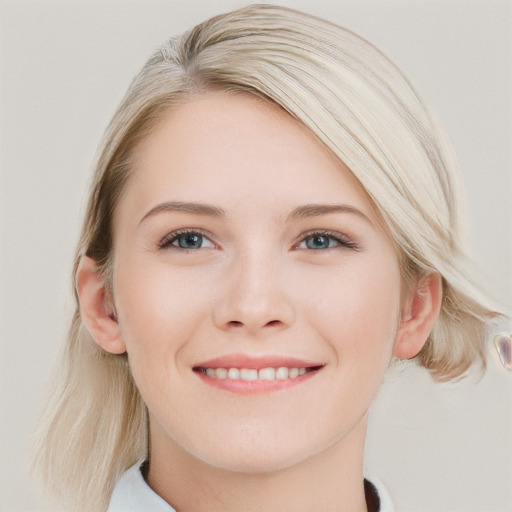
(274, 216)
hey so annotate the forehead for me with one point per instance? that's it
(238, 151)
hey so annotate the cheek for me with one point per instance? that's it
(158, 311)
(358, 311)
(358, 319)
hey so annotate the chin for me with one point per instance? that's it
(263, 463)
(259, 454)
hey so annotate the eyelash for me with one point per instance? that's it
(342, 240)
(168, 240)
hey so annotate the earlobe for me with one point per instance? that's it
(95, 309)
(420, 311)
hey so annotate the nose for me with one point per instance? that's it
(254, 296)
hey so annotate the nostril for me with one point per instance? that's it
(272, 323)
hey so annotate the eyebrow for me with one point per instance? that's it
(180, 206)
(301, 212)
(315, 210)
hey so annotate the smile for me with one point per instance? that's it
(240, 373)
(252, 374)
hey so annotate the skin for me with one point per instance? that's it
(254, 287)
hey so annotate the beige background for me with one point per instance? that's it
(64, 67)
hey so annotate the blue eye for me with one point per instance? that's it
(189, 241)
(186, 239)
(320, 241)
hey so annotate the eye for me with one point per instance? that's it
(186, 239)
(319, 241)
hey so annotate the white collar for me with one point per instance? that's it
(132, 494)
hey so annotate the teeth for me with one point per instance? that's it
(248, 374)
(233, 373)
(222, 373)
(280, 373)
(266, 374)
(293, 373)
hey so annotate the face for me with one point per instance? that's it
(257, 294)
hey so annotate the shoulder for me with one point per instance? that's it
(132, 493)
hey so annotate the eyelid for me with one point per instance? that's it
(343, 239)
(166, 242)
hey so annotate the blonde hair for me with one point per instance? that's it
(361, 107)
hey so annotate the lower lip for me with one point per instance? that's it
(248, 387)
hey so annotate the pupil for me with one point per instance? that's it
(318, 242)
(190, 241)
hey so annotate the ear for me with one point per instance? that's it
(96, 310)
(420, 310)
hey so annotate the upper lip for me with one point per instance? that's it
(256, 362)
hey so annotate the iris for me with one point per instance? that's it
(189, 241)
(318, 242)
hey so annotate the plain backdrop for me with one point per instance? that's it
(65, 66)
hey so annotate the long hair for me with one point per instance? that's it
(364, 110)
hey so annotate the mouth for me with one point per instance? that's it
(245, 374)
(252, 374)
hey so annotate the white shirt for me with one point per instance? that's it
(132, 493)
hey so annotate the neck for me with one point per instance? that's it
(331, 480)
